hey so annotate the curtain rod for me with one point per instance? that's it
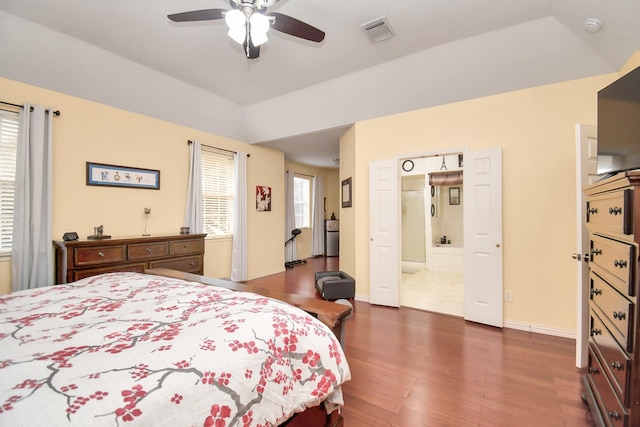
(217, 148)
(56, 112)
(303, 174)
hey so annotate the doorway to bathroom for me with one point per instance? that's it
(433, 234)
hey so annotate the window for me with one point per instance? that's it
(302, 201)
(217, 192)
(8, 148)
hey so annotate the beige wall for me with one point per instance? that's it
(331, 187)
(535, 128)
(87, 131)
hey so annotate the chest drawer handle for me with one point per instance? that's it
(592, 211)
(622, 263)
(148, 249)
(596, 291)
(617, 366)
(185, 246)
(192, 264)
(597, 252)
(593, 370)
(615, 415)
(615, 210)
(596, 331)
(100, 254)
(619, 315)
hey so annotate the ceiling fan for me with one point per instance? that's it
(248, 23)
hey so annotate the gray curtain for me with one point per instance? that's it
(290, 252)
(32, 247)
(317, 219)
(239, 251)
(193, 209)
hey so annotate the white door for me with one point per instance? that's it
(483, 236)
(586, 170)
(384, 227)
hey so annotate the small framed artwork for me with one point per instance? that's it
(346, 193)
(263, 198)
(104, 175)
(454, 195)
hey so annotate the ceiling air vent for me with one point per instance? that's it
(378, 29)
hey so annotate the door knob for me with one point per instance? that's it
(577, 257)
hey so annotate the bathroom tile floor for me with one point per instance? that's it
(433, 290)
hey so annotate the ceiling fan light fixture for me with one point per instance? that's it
(235, 19)
(237, 34)
(259, 25)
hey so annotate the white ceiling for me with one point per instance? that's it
(299, 96)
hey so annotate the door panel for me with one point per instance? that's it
(483, 236)
(384, 262)
(586, 170)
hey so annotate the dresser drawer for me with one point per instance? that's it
(187, 264)
(610, 406)
(617, 310)
(615, 360)
(183, 247)
(133, 268)
(611, 212)
(150, 250)
(98, 255)
(616, 258)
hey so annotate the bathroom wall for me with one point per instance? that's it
(447, 218)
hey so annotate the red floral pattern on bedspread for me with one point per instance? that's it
(132, 349)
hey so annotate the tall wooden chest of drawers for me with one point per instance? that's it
(78, 259)
(612, 382)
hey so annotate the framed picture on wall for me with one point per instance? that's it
(346, 193)
(263, 198)
(454, 195)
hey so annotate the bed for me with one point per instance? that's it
(154, 349)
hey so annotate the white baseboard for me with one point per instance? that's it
(563, 333)
(536, 329)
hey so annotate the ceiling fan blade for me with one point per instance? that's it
(250, 50)
(294, 27)
(197, 15)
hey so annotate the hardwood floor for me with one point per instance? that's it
(415, 368)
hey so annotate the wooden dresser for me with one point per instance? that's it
(612, 382)
(78, 259)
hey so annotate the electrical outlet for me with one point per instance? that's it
(508, 296)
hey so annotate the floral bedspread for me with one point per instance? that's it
(132, 349)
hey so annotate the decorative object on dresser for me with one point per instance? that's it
(78, 259)
(612, 382)
(147, 212)
(98, 234)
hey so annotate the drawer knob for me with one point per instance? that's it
(617, 366)
(185, 246)
(592, 211)
(100, 254)
(148, 249)
(615, 210)
(620, 263)
(593, 370)
(596, 331)
(192, 264)
(619, 315)
(615, 415)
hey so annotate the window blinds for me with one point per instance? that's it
(8, 149)
(217, 191)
